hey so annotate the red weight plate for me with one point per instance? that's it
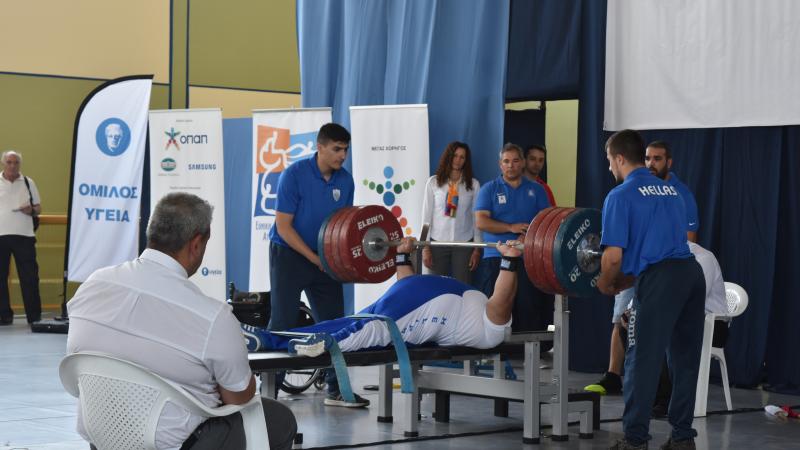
(329, 242)
(358, 225)
(535, 249)
(341, 253)
(529, 241)
(540, 246)
(547, 254)
(332, 243)
(322, 234)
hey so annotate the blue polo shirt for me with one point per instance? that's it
(646, 217)
(510, 205)
(693, 223)
(304, 193)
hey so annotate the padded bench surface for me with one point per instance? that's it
(268, 361)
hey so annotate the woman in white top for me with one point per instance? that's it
(449, 197)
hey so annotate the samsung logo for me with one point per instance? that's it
(202, 166)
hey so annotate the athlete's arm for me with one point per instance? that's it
(406, 246)
(498, 309)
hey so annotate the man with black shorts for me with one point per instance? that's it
(644, 235)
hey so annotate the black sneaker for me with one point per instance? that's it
(610, 384)
(686, 444)
(338, 400)
(622, 444)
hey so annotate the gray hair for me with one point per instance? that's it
(509, 147)
(176, 219)
(8, 153)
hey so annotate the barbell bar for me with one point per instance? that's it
(379, 244)
(561, 248)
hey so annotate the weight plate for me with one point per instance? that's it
(360, 228)
(332, 244)
(340, 235)
(547, 252)
(576, 273)
(540, 246)
(530, 258)
(323, 257)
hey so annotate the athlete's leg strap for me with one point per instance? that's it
(337, 358)
(403, 360)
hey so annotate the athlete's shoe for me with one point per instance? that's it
(251, 337)
(338, 400)
(610, 384)
(310, 346)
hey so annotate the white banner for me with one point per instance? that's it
(701, 64)
(390, 166)
(281, 138)
(186, 156)
(107, 176)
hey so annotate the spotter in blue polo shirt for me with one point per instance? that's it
(304, 193)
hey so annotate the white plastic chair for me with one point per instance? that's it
(121, 402)
(737, 303)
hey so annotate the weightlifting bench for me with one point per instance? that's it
(532, 392)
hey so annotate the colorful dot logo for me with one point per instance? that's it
(389, 191)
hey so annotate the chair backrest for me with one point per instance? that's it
(121, 402)
(737, 299)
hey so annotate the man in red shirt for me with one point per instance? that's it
(534, 162)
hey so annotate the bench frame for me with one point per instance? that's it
(532, 391)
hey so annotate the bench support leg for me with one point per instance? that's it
(530, 405)
(560, 367)
(411, 409)
(499, 372)
(441, 410)
(269, 385)
(385, 392)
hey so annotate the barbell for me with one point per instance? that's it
(561, 248)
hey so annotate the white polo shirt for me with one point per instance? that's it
(716, 302)
(445, 228)
(13, 196)
(148, 312)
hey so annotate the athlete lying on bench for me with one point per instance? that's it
(427, 309)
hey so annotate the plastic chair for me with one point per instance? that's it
(737, 303)
(121, 402)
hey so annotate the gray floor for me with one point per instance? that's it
(36, 413)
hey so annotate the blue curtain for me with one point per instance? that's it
(544, 50)
(237, 144)
(439, 52)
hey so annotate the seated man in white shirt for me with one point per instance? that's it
(147, 311)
